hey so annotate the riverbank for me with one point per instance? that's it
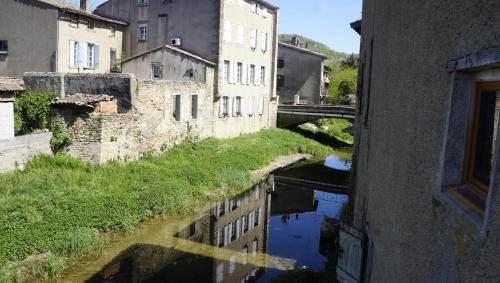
(58, 207)
(340, 130)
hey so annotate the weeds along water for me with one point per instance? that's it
(58, 207)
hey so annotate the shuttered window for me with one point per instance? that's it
(239, 72)
(263, 43)
(228, 30)
(250, 106)
(263, 75)
(227, 71)
(241, 35)
(177, 107)
(156, 71)
(252, 74)
(142, 32)
(73, 54)
(261, 105)
(253, 38)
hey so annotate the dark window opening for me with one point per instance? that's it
(281, 81)
(281, 62)
(91, 24)
(4, 47)
(73, 20)
(194, 106)
(177, 107)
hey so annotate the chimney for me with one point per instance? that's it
(85, 5)
(295, 41)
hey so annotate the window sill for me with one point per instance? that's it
(469, 198)
(4, 53)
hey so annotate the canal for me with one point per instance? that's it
(284, 227)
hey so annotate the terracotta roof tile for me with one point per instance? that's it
(83, 100)
(11, 84)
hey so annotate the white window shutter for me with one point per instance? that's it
(235, 72)
(243, 74)
(265, 76)
(250, 106)
(230, 106)
(82, 54)
(231, 72)
(96, 56)
(248, 74)
(72, 54)
(243, 110)
(235, 109)
(261, 105)
(221, 107)
(257, 75)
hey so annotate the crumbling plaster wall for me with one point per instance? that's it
(418, 234)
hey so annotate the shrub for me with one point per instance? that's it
(60, 138)
(32, 111)
(53, 267)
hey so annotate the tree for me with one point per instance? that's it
(351, 62)
(346, 87)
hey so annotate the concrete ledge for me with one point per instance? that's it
(16, 152)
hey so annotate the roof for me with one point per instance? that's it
(356, 26)
(302, 50)
(173, 48)
(268, 5)
(72, 9)
(83, 100)
(11, 84)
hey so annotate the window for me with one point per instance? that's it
(245, 254)
(237, 106)
(241, 35)
(257, 218)
(73, 56)
(112, 58)
(232, 263)
(142, 2)
(142, 32)
(194, 106)
(252, 74)
(177, 107)
(263, 75)
(261, 105)
(253, 38)
(90, 55)
(263, 41)
(280, 81)
(239, 72)
(156, 71)
(91, 23)
(250, 106)
(4, 47)
(227, 71)
(482, 136)
(281, 62)
(225, 106)
(73, 20)
(220, 273)
(113, 31)
(228, 30)
(254, 7)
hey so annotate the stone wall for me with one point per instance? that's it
(16, 152)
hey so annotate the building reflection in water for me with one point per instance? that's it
(238, 224)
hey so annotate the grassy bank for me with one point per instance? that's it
(331, 127)
(57, 207)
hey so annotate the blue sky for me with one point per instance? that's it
(326, 21)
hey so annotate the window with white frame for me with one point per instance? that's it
(227, 71)
(252, 74)
(237, 105)
(4, 47)
(142, 32)
(225, 106)
(156, 71)
(90, 55)
(228, 31)
(253, 38)
(241, 35)
(250, 106)
(142, 2)
(73, 58)
(263, 75)
(261, 105)
(239, 72)
(263, 41)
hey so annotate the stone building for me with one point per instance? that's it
(239, 35)
(426, 170)
(303, 76)
(44, 36)
(168, 62)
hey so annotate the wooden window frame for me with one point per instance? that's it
(471, 142)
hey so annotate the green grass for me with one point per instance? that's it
(331, 127)
(57, 204)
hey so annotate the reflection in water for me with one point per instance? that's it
(253, 237)
(340, 160)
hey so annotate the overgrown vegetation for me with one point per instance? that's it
(335, 128)
(60, 138)
(57, 204)
(32, 111)
(343, 82)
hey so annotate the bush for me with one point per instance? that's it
(347, 75)
(346, 87)
(60, 138)
(32, 111)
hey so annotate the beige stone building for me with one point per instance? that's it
(239, 35)
(43, 36)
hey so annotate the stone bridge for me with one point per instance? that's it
(290, 116)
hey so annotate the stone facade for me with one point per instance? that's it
(413, 112)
